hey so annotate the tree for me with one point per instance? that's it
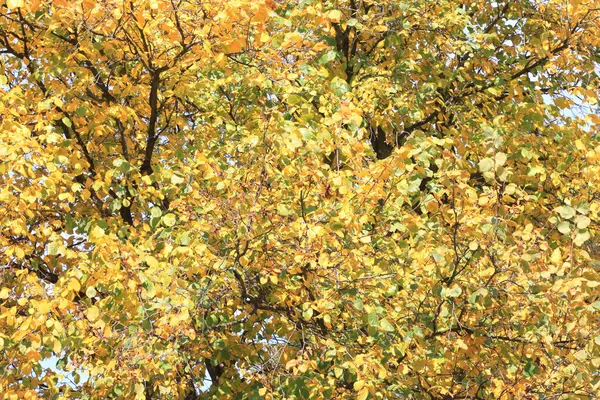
(294, 199)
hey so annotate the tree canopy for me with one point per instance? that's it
(300, 199)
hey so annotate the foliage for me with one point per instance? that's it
(299, 199)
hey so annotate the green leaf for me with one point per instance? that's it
(328, 57)
(283, 210)
(500, 159)
(115, 205)
(372, 319)
(176, 180)
(339, 87)
(169, 220)
(486, 164)
(156, 212)
(386, 326)
(307, 314)
(184, 239)
(581, 238)
(90, 292)
(565, 212)
(582, 221)
(530, 369)
(564, 227)
(81, 111)
(358, 304)
(455, 291)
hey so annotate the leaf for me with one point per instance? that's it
(565, 212)
(282, 209)
(151, 261)
(373, 319)
(358, 304)
(530, 369)
(156, 212)
(140, 390)
(328, 57)
(184, 239)
(96, 233)
(334, 16)
(486, 164)
(92, 313)
(74, 285)
(176, 180)
(495, 91)
(564, 227)
(582, 221)
(4, 293)
(339, 87)
(169, 220)
(363, 394)
(90, 292)
(455, 291)
(581, 237)
(235, 46)
(386, 326)
(43, 307)
(12, 4)
(561, 102)
(500, 159)
(307, 314)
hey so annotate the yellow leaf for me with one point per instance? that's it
(334, 16)
(486, 164)
(363, 394)
(96, 232)
(64, 196)
(74, 285)
(561, 102)
(92, 313)
(500, 159)
(151, 261)
(56, 346)
(43, 307)
(139, 389)
(359, 384)
(19, 253)
(556, 257)
(12, 4)
(90, 291)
